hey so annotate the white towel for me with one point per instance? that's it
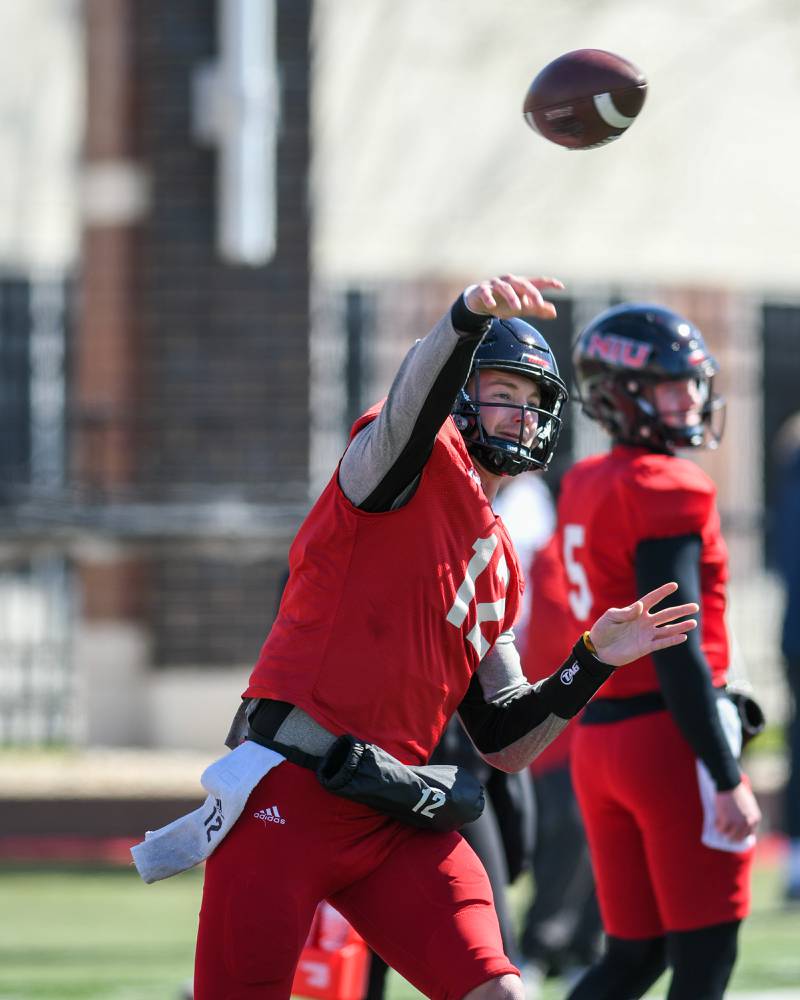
(190, 839)
(711, 837)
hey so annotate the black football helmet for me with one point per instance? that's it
(513, 345)
(630, 347)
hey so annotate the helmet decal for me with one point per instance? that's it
(537, 359)
(622, 351)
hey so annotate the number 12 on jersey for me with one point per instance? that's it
(579, 595)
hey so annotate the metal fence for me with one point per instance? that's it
(36, 592)
(37, 693)
(360, 335)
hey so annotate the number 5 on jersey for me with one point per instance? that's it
(579, 595)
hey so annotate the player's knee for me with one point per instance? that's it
(508, 987)
(641, 953)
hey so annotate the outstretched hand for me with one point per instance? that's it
(509, 295)
(625, 634)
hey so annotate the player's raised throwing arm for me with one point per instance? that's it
(383, 461)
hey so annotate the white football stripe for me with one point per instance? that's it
(608, 112)
(528, 116)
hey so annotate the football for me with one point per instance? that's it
(585, 98)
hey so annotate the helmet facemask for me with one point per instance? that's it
(504, 456)
(627, 410)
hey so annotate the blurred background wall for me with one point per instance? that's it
(223, 224)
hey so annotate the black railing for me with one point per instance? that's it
(36, 677)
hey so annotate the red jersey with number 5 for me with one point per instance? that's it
(385, 617)
(607, 506)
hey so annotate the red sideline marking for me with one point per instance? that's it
(109, 850)
(770, 849)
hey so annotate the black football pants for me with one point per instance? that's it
(701, 962)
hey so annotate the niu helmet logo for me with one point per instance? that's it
(568, 673)
(616, 350)
(270, 815)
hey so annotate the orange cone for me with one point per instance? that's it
(334, 961)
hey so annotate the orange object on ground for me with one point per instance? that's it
(334, 961)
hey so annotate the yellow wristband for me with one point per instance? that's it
(588, 643)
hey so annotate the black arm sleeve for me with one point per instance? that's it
(492, 728)
(683, 672)
(434, 410)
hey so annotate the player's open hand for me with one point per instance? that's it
(622, 635)
(509, 295)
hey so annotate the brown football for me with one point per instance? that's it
(585, 98)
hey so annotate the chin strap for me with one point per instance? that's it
(498, 462)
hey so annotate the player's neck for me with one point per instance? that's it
(489, 482)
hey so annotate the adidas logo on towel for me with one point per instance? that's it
(270, 815)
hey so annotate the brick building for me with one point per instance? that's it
(190, 430)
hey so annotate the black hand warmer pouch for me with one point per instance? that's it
(439, 797)
(750, 713)
(434, 796)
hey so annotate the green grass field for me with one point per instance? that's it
(103, 935)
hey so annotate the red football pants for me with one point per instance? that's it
(421, 900)
(636, 783)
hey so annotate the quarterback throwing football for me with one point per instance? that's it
(402, 593)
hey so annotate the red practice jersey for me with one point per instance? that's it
(608, 505)
(385, 617)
